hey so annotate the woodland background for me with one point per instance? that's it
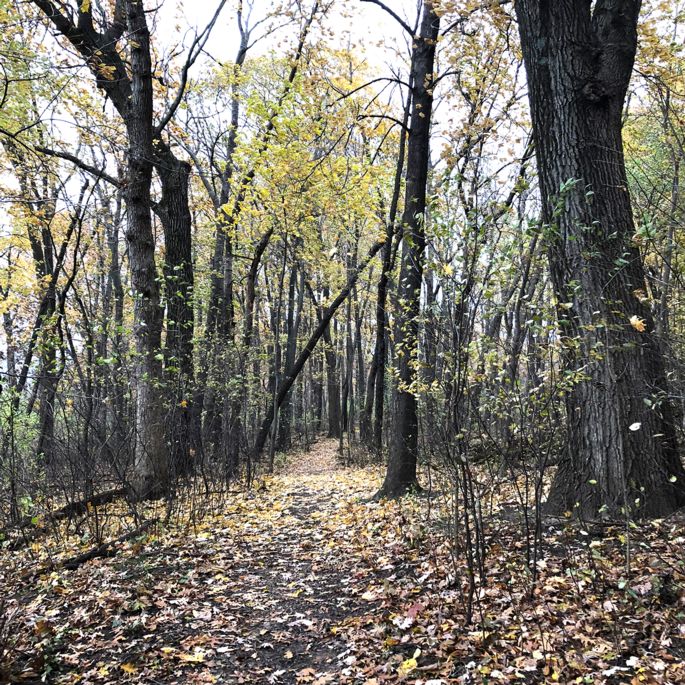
(208, 262)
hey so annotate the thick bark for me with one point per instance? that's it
(151, 466)
(129, 87)
(173, 209)
(622, 451)
(401, 472)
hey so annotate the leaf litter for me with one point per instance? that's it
(303, 579)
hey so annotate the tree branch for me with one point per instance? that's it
(84, 166)
(193, 53)
(393, 14)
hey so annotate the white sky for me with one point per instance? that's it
(362, 23)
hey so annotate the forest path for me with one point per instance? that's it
(303, 580)
(296, 590)
(264, 586)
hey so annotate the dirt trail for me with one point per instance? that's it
(260, 589)
(286, 624)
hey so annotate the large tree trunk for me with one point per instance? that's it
(151, 467)
(401, 472)
(622, 451)
(182, 432)
(129, 86)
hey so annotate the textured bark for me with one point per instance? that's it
(401, 472)
(151, 466)
(579, 57)
(129, 87)
(173, 209)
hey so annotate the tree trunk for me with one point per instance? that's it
(375, 384)
(332, 385)
(151, 467)
(622, 451)
(295, 305)
(174, 213)
(129, 86)
(400, 476)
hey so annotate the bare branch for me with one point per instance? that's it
(77, 161)
(193, 53)
(393, 14)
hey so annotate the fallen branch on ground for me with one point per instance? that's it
(106, 549)
(67, 511)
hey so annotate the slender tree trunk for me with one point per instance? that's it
(622, 452)
(375, 388)
(332, 385)
(48, 380)
(122, 405)
(663, 319)
(401, 472)
(295, 304)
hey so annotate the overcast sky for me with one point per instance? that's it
(362, 23)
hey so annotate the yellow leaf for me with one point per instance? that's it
(637, 323)
(128, 668)
(407, 666)
(85, 6)
(194, 658)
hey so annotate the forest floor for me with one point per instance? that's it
(304, 580)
